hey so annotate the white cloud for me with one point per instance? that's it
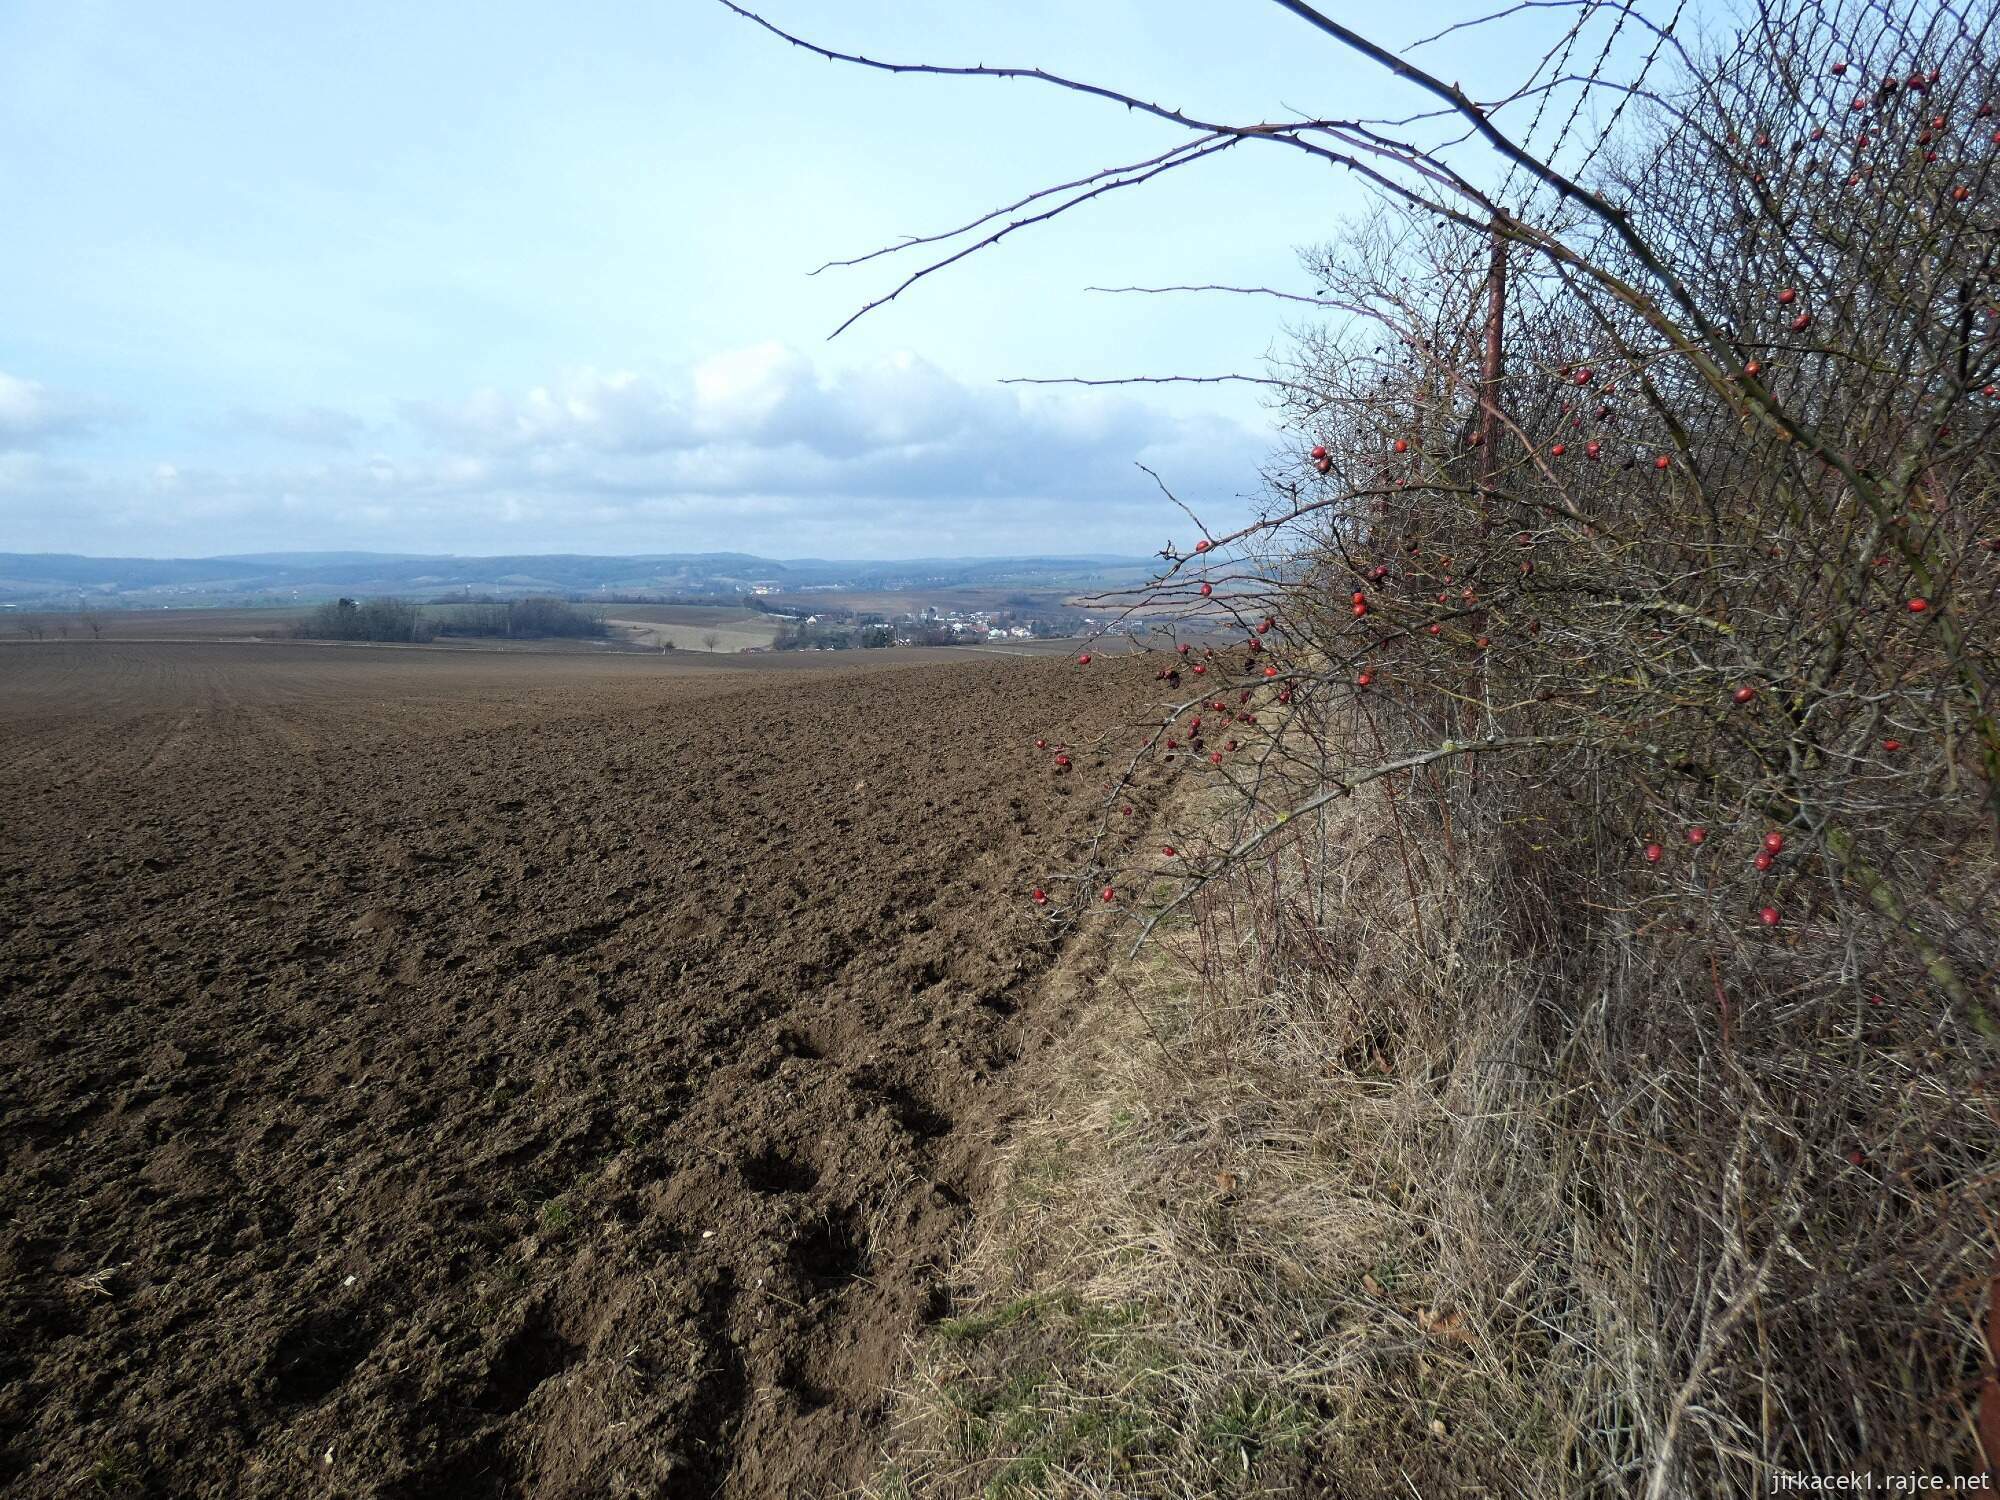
(767, 420)
(757, 449)
(753, 393)
(608, 413)
(31, 414)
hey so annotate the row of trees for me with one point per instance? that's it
(383, 619)
(517, 619)
(39, 627)
(392, 619)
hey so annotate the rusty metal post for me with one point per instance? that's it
(1489, 369)
(1490, 366)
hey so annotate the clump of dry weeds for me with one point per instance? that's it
(1403, 1166)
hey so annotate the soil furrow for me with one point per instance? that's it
(440, 1074)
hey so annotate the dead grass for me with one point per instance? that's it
(1373, 1184)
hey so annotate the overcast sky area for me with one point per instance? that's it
(516, 277)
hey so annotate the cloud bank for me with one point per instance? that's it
(756, 449)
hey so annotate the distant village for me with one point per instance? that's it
(839, 630)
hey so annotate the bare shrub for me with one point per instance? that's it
(534, 618)
(1667, 647)
(1605, 769)
(382, 619)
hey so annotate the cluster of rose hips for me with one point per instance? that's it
(1772, 845)
(1880, 98)
(1241, 712)
(1214, 706)
(1592, 449)
(1468, 595)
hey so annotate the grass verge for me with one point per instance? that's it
(1362, 1181)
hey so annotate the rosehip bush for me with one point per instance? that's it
(1643, 474)
(1769, 615)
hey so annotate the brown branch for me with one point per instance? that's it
(1246, 291)
(911, 242)
(1180, 160)
(1150, 380)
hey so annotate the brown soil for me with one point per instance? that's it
(441, 1074)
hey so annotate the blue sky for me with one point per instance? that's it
(521, 277)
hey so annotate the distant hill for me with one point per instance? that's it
(314, 559)
(45, 580)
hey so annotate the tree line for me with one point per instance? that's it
(397, 620)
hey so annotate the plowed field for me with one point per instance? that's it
(450, 1074)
